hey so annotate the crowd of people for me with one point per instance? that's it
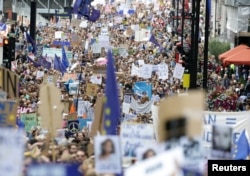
(228, 88)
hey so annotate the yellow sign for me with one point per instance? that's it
(186, 80)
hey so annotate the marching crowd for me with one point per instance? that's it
(233, 82)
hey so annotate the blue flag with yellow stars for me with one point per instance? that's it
(111, 100)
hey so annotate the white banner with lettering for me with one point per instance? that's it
(237, 120)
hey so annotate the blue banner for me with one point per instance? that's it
(143, 87)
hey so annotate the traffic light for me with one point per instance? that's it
(8, 51)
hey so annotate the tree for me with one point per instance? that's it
(216, 47)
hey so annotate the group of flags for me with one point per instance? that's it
(85, 9)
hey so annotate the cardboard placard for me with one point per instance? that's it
(91, 89)
(9, 82)
(72, 116)
(186, 117)
(98, 120)
(30, 120)
(99, 69)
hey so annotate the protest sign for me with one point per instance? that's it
(59, 34)
(134, 136)
(165, 164)
(50, 108)
(45, 169)
(123, 52)
(103, 40)
(145, 71)
(96, 79)
(134, 70)
(3, 95)
(51, 52)
(104, 31)
(96, 48)
(142, 35)
(140, 87)
(129, 117)
(30, 120)
(140, 108)
(91, 89)
(182, 121)
(108, 155)
(237, 120)
(73, 88)
(162, 71)
(75, 40)
(21, 110)
(68, 76)
(9, 82)
(125, 108)
(83, 123)
(82, 108)
(178, 71)
(49, 79)
(99, 69)
(127, 98)
(73, 126)
(72, 116)
(11, 152)
(97, 124)
(8, 111)
(39, 74)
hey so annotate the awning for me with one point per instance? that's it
(241, 58)
(232, 51)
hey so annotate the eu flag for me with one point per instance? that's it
(43, 62)
(111, 100)
(77, 6)
(64, 58)
(35, 64)
(242, 147)
(3, 26)
(58, 65)
(31, 41)
(84, 9)
(153, 40)
(94, 14)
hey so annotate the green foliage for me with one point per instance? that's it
(216, 47)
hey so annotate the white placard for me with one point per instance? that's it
(125, 108)
(162, 71)
(141, 62)
(134, 70)
(39, 74)
(73, 88)
(178, 71)
(107, 155)
(165, 164)
(237, 120)
(145, 71)
(59, 34)
(96, 48)
(96, 79)
(11, 151)
(104, 31)
(135, 136)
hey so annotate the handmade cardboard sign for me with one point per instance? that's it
(51, 107)
(97, 123)
(99, 69)
(91, 89)
(9, 82)
(185, 119)
(8, 111)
